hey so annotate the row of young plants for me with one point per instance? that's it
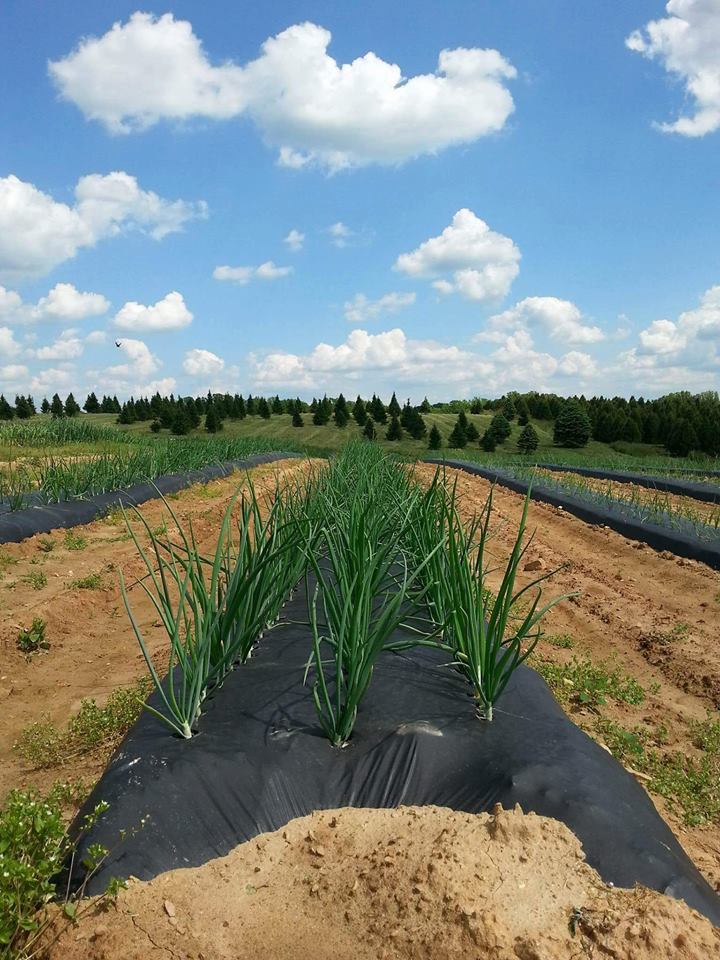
(644, 504)
(50, 479)
(378, 553)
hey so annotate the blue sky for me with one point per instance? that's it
(537, 211)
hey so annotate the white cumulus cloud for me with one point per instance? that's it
(9, 347)
(243, 275)
(360, 309)
(37, 232)
(311, 108)
(202, 363)
(294, 240)
(687, 43)
(467, 257)
(64, 302)
(140, 362)
(560, 319)
(170, 313)
(68, 346)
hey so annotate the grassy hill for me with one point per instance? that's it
(327, 438)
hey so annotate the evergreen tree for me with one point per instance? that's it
(213, 422)
(251, 406)
(359, 412)
(156, 426)
(277, 405)
(682, 439)
(45, 405)
(393, 407)
(377, 410)
(24, 409)
(488, 441)
(297, 420)
(434, 440)
(72, 407)
(572, 426)
(458, 438)
(528, 440)
(181, 424)
(263, 408)
(394, 431)
(508, 409)
(425, 406)
(476, 405)
(369, 430)
(57, 408)
(239, 410)
(500, 428)
(92, 405)
(6, 411)
(341, 413)
(471, 432)
(323, 411)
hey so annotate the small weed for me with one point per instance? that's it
(93, 581)
(6, 560)
(675, 634)
(46, 544)
(37, 580)
(562, 640)
(114, 517)
(43, 745)
(74, 541)
(33, 638)
(584, 683)
(161, 530)
(689, 784)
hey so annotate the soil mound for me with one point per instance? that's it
(425, 883)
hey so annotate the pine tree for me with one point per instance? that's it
(488, 441)
(425, 406)
(476, 405)
(213, 422)
(297, 420)
(56, 407)
(181, 424)
(277, 405)
(471, 432)
(92, 405)
(369, 430)
(572, 426)
(341, 413)
(239, 408)
(263, 408)
(394, 431)
(377, 410)
(500, 428)
(23, 409)
(251, 406)
(45, 405)
(322, 413)
(458, 437)
(6, 411)
(72, 407)
(434, 440)
(528, 440)
(359, 412)
(393, 407)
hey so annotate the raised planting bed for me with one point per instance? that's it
(261, 759)
(708, 492)
(17, 525)
(681, 541)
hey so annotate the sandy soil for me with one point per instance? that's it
(92, 648)
(631, 598)
(682, 505)
(418, 883)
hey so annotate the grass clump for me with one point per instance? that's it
(93, 581)
(36, 579)
(563, 641)
(32, 639)
(46, 544)
(74, 541)
(583, 683)
(6, 560)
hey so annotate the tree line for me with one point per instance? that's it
(683, 423)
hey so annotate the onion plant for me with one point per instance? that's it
(215, 607)
(489, 634)
(363, 584)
